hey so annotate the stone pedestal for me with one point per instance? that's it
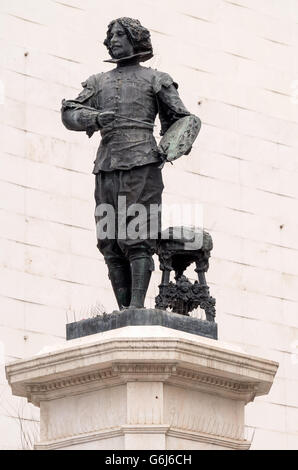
(142, 387)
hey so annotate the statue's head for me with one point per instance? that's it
(126, 37)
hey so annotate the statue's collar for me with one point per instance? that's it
(132, 59)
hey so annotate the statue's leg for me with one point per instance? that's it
(120, 277)
(142, 186)
(106, 189)
(141, 269)
(119, 271)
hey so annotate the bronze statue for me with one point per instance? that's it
(122, 104)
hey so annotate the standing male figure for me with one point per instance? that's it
(122, 104)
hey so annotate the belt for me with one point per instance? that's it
(107, 134)
(147, 124)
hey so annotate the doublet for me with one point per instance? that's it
(136, 94)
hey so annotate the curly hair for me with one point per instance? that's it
(138, 35)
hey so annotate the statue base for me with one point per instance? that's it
(141, 388)
(138, 317)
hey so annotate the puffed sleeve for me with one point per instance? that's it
(81, 114)
(170, 106)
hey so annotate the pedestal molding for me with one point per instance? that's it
(126, 344)
(116, 374)
(79, 439)
(91, 358)
(120, 373)
(198, 436)
(220, 441)
(215, 384)
(120, 431)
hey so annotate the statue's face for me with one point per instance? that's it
(119, 42)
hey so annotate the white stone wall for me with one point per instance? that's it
(239, 60)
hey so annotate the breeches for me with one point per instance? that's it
(128, 213)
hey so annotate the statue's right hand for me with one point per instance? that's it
(105, 118)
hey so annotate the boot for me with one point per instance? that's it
(120, 278)
(141, 269)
